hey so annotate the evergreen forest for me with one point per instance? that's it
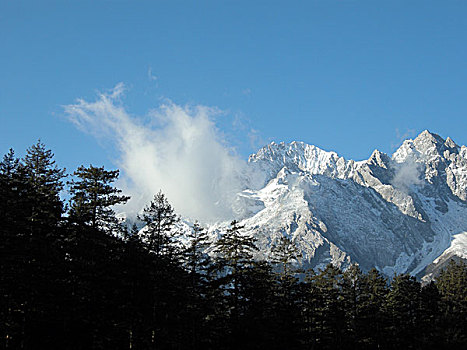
(73, 277)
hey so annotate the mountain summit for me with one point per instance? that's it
(397, 213)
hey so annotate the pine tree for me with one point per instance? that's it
(330, 315)
(372, 301)
(135, 267)
(15, 192)
(197, 262)
(91, 253)
(310, 302)
(452, 285)
(258, 320)
(429, 332)
(92, 196)
(160, 236)
(352, 289)
(160, 233)
(45, 181)
(235, 248)
(283, 254)
(14, 250)
(402, 306)
(196, 258)
(235, 257)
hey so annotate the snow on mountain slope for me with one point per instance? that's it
(456, 251)
(458, 246)
(397, 213)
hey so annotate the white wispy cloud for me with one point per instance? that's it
(178, 149)
(407, 174)
(151, 76)
(401, 136)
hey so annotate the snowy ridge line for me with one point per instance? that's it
(397, 213)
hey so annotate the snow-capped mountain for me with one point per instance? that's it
(398, 213)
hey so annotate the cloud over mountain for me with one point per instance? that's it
(177, 149)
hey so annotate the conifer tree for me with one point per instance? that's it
(452, 285)
(14, 191)
(235, 253)
(372, 301)
(352, 289)
(160, 237)
(286, 307)
(235, 257)
(196, 258)
(92, 196)
(258, 320)
(160, 232)
(197, 262)
(30, 210)
(402, 306)
(14, 255)
(45, 181)
(330, 315)
(311, 300)
(235, 248)
(429, 332)
(135, 271)
(41, 185)
(283, 253)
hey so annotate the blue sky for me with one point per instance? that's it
(348, 76)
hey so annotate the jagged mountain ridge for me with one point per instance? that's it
(397, 213)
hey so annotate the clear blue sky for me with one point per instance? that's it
(348, 76)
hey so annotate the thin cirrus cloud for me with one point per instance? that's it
(151, 76)
(179, 151)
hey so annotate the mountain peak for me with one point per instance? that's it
(429, 137)
(379, 158)
(426, 146)
(450, 143)
(426, 132)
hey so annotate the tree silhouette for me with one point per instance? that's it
(92, 196)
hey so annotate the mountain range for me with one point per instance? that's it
(400, 213)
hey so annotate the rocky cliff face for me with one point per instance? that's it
(398, 213)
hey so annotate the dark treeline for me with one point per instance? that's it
(72, 277)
